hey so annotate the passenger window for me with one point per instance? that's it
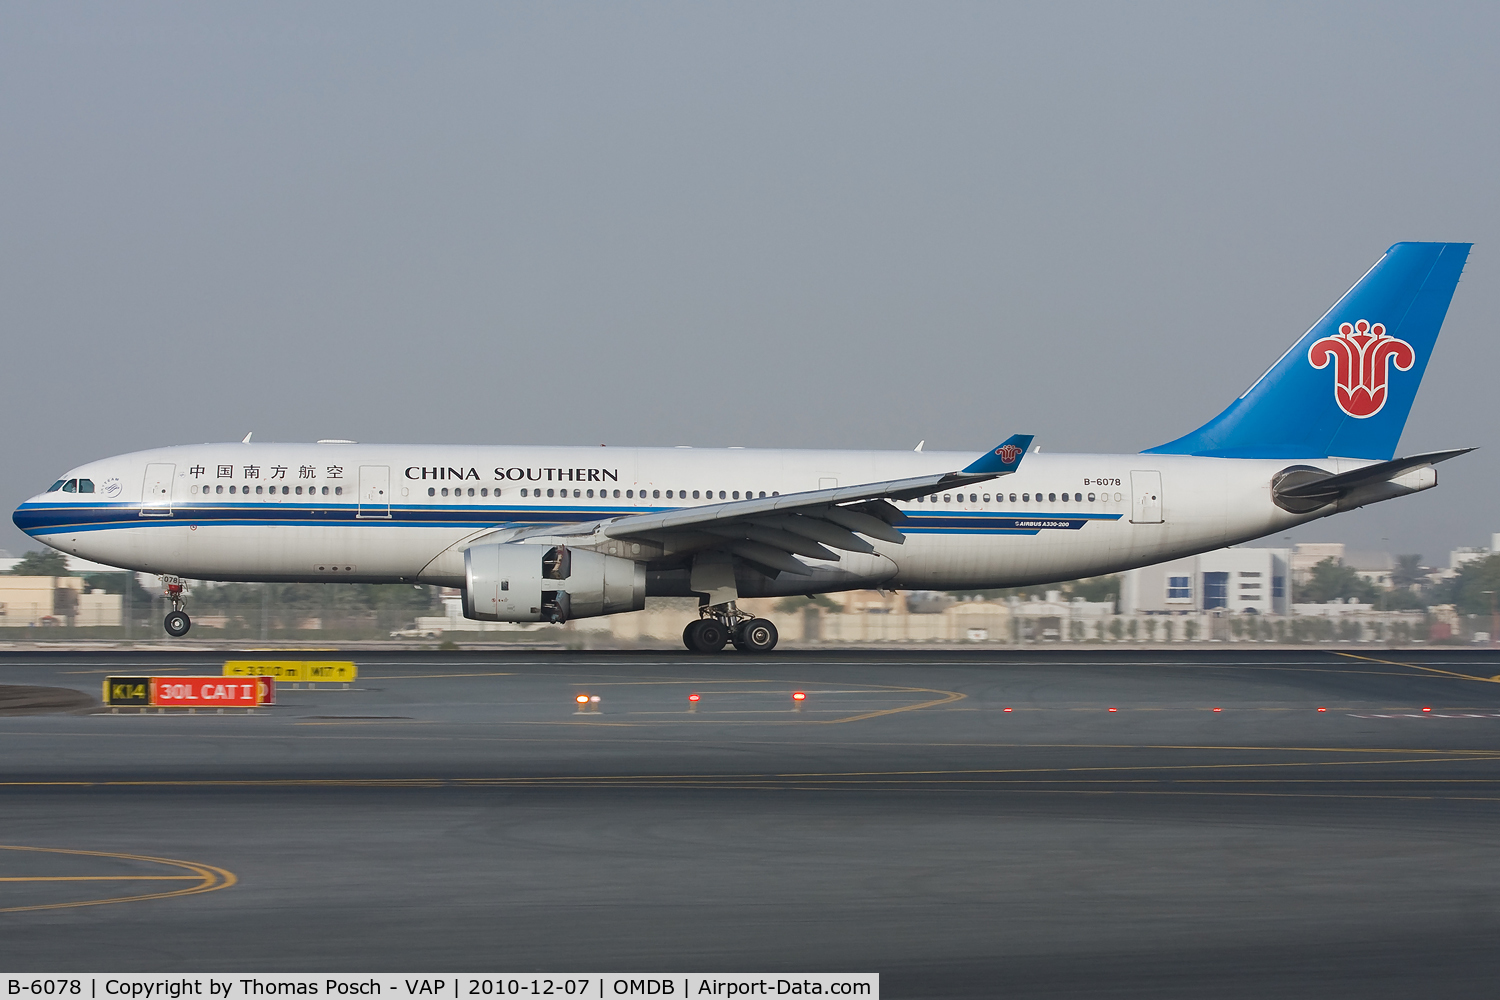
(325, 491)
(258, 489)
(974, 499)
(550, 493)
(471, 491)
(85, 486)
(286, 490)
(231, 489)
(617, 494)
(721, 495)
(219, 489)
(523, 491)
(71, 486)
(695, 494)
(1052, 498)
(947, 498)
(1091, 498)
(484, 491)
(986, 498)
(1078, 498)
(656, 494)
(445, 491)
(575, 493)
(736, 494)
(1026, 498)
(629, 494)
(338, 491)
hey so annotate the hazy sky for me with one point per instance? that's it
(798, 225)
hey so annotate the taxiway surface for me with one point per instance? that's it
(965, 823)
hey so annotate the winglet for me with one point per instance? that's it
(1004, 458)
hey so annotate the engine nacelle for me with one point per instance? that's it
(518, 582)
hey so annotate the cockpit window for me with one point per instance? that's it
(85, 486)
(56, 486)
(71, 486)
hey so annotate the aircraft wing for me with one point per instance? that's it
(769, 531)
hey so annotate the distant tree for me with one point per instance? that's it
(1408, 570)
(1331, 580)
(1096, 589)
(115, 583)
(50, 563)
(1470, 589)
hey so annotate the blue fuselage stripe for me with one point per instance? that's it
(47, 519)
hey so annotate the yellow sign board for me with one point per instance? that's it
(330, 670)
(324, 671)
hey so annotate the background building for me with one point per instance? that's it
(1237, 581)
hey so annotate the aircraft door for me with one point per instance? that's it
(374, 491)
(156, 491)
(1145, 497)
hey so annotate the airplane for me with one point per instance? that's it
(551, 534)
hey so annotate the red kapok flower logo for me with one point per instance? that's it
(1360, 353)
(1008, 453)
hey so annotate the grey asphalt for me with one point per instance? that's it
(452, 811)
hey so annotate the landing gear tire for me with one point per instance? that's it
(757, 635)
(688, 633)
(177, 623)
(709, 636)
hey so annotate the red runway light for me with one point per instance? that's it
(1217, 709)
(1322, 709)
(1426, 708)
(798, 696)
(1113, 709)
(1006, 709)
(582, 699)
(692, 697)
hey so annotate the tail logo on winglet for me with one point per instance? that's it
(1008, 453)
(1360, 353)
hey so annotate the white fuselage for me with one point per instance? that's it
(405, 513)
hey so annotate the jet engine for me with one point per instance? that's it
(517, 582)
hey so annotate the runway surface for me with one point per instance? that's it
(964, 823)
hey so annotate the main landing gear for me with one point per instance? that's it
(177, 621)
(722, 624)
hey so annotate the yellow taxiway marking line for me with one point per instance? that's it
(1416, 666)
(947, 698)
(100, 878)
(208, 878)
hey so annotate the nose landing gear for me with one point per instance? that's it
(177, 621)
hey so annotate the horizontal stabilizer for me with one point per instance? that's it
(1302, 488)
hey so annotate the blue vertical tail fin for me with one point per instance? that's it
(1346, 387)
